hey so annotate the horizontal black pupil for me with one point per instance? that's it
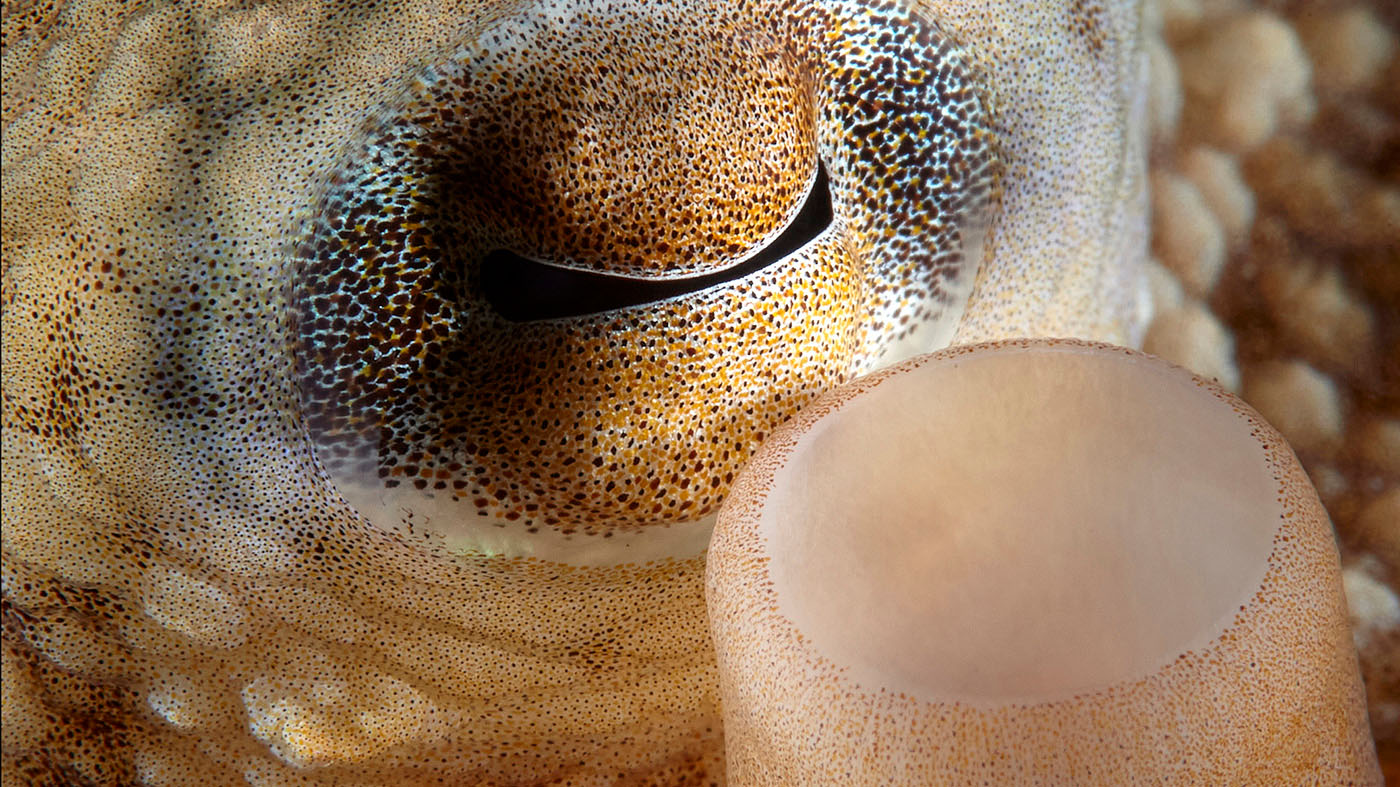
(521, 289)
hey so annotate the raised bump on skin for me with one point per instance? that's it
(1055, 561)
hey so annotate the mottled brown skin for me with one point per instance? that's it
(189, 595)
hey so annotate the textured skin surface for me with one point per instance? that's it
(1061, 256)
(189, 595)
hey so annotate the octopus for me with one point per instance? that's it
(374, 370)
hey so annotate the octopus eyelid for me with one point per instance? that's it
(521, 289)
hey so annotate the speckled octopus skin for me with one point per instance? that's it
(243, 255)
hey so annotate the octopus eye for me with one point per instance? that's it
(521, 289)
(564, 281)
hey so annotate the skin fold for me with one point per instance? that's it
(288, 499)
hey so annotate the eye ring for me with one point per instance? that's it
(521, 289)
